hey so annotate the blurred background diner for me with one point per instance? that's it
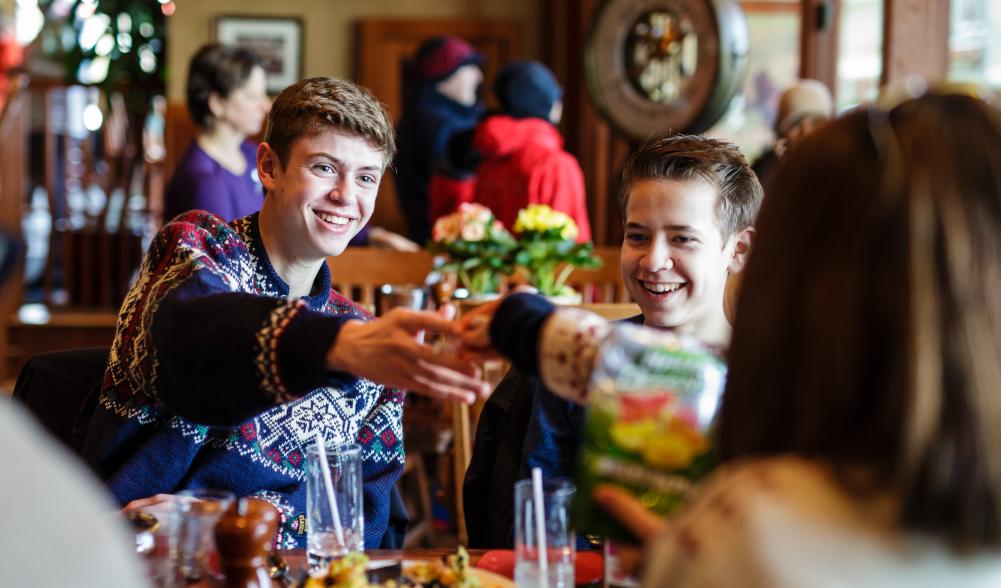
(515, 120)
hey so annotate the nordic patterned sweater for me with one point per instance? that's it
(217, 379)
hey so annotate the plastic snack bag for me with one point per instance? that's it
(653, 400)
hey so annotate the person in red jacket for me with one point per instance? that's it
(521, 155)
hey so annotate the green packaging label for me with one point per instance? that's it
(653, 400)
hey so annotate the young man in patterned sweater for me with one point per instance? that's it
(232, 350)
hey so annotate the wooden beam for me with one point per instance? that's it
(818, 46)
(915, 39)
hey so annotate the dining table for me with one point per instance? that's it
(295, 560)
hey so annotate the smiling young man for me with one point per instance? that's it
(689, 204)
(232, 350)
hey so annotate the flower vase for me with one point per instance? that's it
(480, 280)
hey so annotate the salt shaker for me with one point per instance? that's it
(244, 536)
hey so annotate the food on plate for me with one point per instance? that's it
(452, 572)
(347, 572)
(350, 571)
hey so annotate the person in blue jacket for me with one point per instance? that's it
(445, 102)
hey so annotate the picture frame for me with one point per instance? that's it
(277, 40)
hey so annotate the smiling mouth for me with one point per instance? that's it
(658, 288)
(332, 219)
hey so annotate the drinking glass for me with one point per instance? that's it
(196, 512)
(560, 541)
(324, 541)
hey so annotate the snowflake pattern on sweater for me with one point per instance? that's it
(216, 379)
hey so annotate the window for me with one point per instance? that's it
(860, 57)
(974, 52)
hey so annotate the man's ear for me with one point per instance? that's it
(741, 250)
(267, 166)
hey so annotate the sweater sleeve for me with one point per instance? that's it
(558, 345)
(213, 354)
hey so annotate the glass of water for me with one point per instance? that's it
(560, 543)
(335, 522)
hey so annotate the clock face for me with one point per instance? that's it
(657, 66)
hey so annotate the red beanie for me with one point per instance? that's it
(438, 58)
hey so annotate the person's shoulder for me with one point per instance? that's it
(196, 162)
(339, 304)
(197, 219)
(773, 488)
(197, 229)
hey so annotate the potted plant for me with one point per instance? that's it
(478, 248)
(548, 251)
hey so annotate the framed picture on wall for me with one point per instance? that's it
(277, 40)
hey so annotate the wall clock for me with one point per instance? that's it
(658, 66)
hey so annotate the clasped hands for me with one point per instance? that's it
(391, 351)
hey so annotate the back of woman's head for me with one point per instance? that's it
(869, 328)
(216, 69)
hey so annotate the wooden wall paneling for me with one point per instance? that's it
(598, 148)
(179, 131)
(15, 117)
(818, 46)
(382, 46)
(915, 39)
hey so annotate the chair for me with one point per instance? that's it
(603, 284)
(60, 388)
(360, 271)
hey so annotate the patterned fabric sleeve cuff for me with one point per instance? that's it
(568, 346)
(267, 349)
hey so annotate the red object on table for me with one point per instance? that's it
(589, 569)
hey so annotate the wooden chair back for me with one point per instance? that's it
(604, 284)
(613, 311)
(360, 271)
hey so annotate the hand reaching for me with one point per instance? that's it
(474, 332)
(629, 511)
(387, 351)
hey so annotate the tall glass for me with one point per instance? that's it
(560, 543)
(325, 539)
(196, 513)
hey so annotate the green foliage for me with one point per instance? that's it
(478, 264)
(136, 55)
(541, 253)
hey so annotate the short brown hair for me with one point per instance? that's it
(216, 69)
(687, 157)
(868, 330)
(309, 106)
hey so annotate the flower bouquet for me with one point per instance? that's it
(547, 243)
(477, 245)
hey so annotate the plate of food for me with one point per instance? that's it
(453, 571)
(357, 571)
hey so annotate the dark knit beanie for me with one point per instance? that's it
(439, 57)
(527, 89)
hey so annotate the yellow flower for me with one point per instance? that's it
(540, 217)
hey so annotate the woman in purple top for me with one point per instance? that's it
(227, 99)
